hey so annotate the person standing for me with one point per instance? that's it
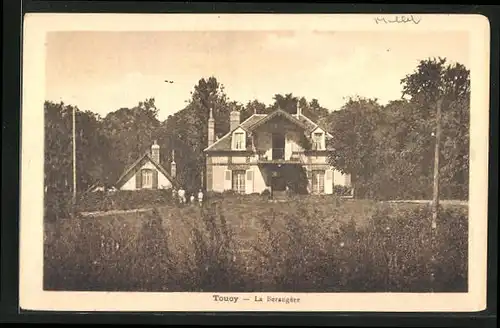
(182, 195)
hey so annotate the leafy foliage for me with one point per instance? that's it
(308, 245)
(90, 141)
(389, 150)
(130, 132)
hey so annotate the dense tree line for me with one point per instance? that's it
(107, 145)
(388, 149)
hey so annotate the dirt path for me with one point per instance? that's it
(104, 213)
(423, 201)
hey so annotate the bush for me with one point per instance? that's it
(60, 205)
(123, 199)
(266, 193)
(342, 190)
(230, 193)
(306, 245)
(207, 262)
(214, 195)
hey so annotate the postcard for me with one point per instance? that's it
(254, 162)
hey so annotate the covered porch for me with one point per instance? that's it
(281, 177)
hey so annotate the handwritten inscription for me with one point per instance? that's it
(258, 299)
(403, 19)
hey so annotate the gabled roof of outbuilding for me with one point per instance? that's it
(134, 167)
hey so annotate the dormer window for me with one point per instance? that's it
(317, 141)
(239, 140)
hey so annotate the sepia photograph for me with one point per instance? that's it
(256, 166)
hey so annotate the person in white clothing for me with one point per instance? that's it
(182, 195)
(200, 197)
(191, 199)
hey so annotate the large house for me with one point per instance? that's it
(148, 173)
(275, 151)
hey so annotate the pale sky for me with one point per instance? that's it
(104, 71)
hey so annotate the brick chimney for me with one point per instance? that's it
(173, 166)
(211, 128)
(155, 152)
(234, 119)
(299, 111)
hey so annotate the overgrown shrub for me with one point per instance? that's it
(266, 194)
(123, 199)
(307, 245)
(208, 261)
(214, 195)
(342, 190)
(60, 205)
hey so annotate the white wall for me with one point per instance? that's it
(218, 177)
(339, 179)
(259, 183)
(163, 181)
(130, 184)
(219, 183)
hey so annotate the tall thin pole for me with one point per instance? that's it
(435, 198)
(74, 155)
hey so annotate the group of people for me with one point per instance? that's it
(180, 197)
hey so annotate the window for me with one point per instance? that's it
(348, 180)
(318, 182)
(147, 178)
(318, 140)
(239, 140)
(239, 181)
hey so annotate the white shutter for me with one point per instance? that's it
(249, 182)
(329, 181)
(227, 180)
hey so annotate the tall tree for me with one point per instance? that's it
(435, 79)
(313, 109)
(91, 146)
(287, 102)
(130, 132)
(253, 107)
(390, 149)
(355, 149)
(186, 132)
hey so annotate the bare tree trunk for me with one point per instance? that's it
(74, 156)
(435, 200)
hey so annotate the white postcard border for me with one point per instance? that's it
(32, 295)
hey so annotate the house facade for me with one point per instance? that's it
(275, 151)
(147, 173)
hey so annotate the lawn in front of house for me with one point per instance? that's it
(246, 243)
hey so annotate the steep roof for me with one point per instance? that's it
(257, 120)
(132, 169)
(252, 120)
(279, 112)
(224, 143)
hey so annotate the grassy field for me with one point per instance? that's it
(315, 244)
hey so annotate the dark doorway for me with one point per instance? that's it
(278, 183)
(278, 144)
